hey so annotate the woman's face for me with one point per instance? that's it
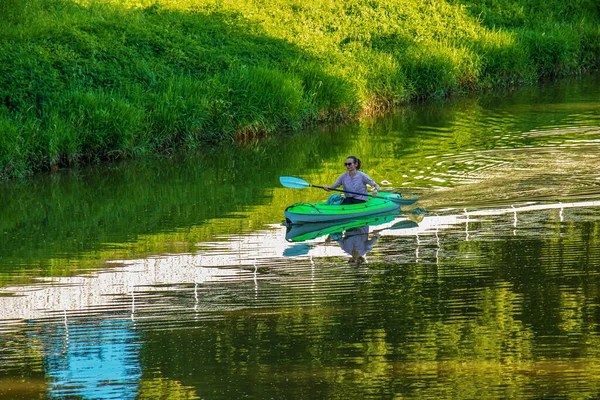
(350, 165)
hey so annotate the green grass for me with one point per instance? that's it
(86, 81)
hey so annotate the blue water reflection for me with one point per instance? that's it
(93, 360)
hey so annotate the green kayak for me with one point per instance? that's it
(300, 213)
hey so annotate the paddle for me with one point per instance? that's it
(298, 183)
(406, 224)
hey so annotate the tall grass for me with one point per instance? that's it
(89, 80)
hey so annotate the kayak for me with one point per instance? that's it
(310, 231)
(300, 213)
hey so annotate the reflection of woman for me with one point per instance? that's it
(354, 180)
(356, 242)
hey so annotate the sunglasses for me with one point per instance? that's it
(348, 163)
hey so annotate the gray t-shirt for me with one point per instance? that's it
(357, 183)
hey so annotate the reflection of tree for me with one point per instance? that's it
(21, 361)
(164, 389)
(501, 317)
(94, 215)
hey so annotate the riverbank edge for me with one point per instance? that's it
(56, 115)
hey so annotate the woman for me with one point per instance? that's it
(356, 181)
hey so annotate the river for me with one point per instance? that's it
(174, 277)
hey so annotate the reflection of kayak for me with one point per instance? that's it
(309, 231)
(323, 212)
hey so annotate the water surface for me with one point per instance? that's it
(176, 277)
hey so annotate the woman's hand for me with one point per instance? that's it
(327, 188)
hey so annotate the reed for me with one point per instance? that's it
(91, 80)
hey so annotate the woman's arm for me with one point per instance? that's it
(372, 183)
(336, 184)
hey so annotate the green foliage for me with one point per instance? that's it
(105, 79)
(259, 100)
(504, 60)
(554, 50)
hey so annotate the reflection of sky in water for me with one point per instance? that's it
(94, 361)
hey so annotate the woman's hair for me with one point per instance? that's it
(356, 161)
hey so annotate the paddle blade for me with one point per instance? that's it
(293, 182)
(297, 250)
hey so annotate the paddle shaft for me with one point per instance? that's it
(343, 191)
(402, 202)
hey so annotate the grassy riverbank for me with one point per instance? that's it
(82, 81)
